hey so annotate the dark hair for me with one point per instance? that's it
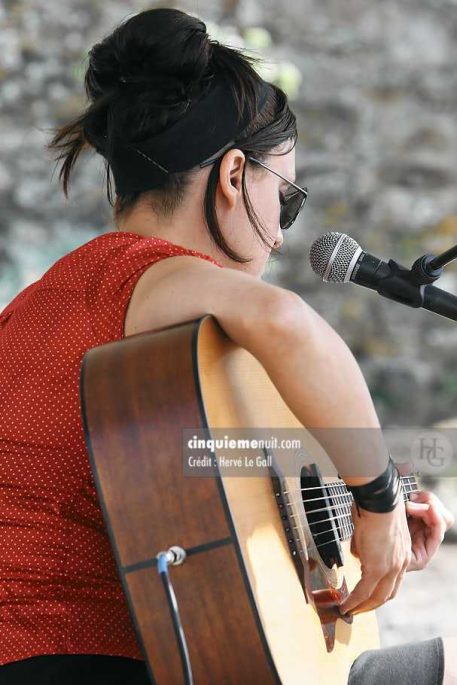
(167, 57)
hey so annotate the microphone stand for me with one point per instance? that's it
(411, 287)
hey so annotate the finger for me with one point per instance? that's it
(434, 534)
(420, 496)
(418, 516)
(359, 594)
(426, 537)
(449, 518)
(372, 588)
(427, 515)
(380, 594)
(425, 496)
(419, 557)
(418, 510)
(398, 581)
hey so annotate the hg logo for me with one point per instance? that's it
(432, 451)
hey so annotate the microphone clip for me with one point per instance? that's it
(423, 270)
(402, 285)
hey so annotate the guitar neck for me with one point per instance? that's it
(342, 502)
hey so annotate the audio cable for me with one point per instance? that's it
(175, 556)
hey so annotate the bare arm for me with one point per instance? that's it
(315, 373)
(309, 363)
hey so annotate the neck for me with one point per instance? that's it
(185, 227)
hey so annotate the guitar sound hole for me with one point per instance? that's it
(322, 517)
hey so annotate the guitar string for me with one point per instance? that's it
(338, 517)
(328, 530)
(341, 483)
(344, 525)
(338, 495)
(342, 513)
(322, 544)
(347, 496)
(345, 519)
(338, 505)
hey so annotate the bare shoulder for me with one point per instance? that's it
(183, 288)
(157, 299)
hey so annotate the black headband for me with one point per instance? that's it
(203, 130)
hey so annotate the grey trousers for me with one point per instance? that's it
(414, 663)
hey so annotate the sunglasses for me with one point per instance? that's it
(291, 202)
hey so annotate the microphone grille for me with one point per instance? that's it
(331, 256)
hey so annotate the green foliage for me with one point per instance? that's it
(256, 40)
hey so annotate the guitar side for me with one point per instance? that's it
(137, 395)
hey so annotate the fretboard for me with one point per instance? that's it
(341, 510)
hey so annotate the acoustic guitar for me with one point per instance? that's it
(268, 553)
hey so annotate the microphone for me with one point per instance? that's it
(338, 258)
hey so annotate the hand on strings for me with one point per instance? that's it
(382, 542)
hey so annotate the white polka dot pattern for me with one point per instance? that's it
(60, 592)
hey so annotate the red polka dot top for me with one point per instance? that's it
(60, 592)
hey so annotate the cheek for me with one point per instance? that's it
(272, 216)
(268, 208)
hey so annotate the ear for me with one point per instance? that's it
(230, 176)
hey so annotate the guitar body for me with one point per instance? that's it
(258, 602)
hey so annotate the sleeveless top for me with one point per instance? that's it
(60, 592)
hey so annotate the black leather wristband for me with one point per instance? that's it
(381, 494)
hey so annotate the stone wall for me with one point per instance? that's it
(377, 148)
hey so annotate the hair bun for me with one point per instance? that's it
(164, 50)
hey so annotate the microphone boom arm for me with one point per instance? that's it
(396, 282)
